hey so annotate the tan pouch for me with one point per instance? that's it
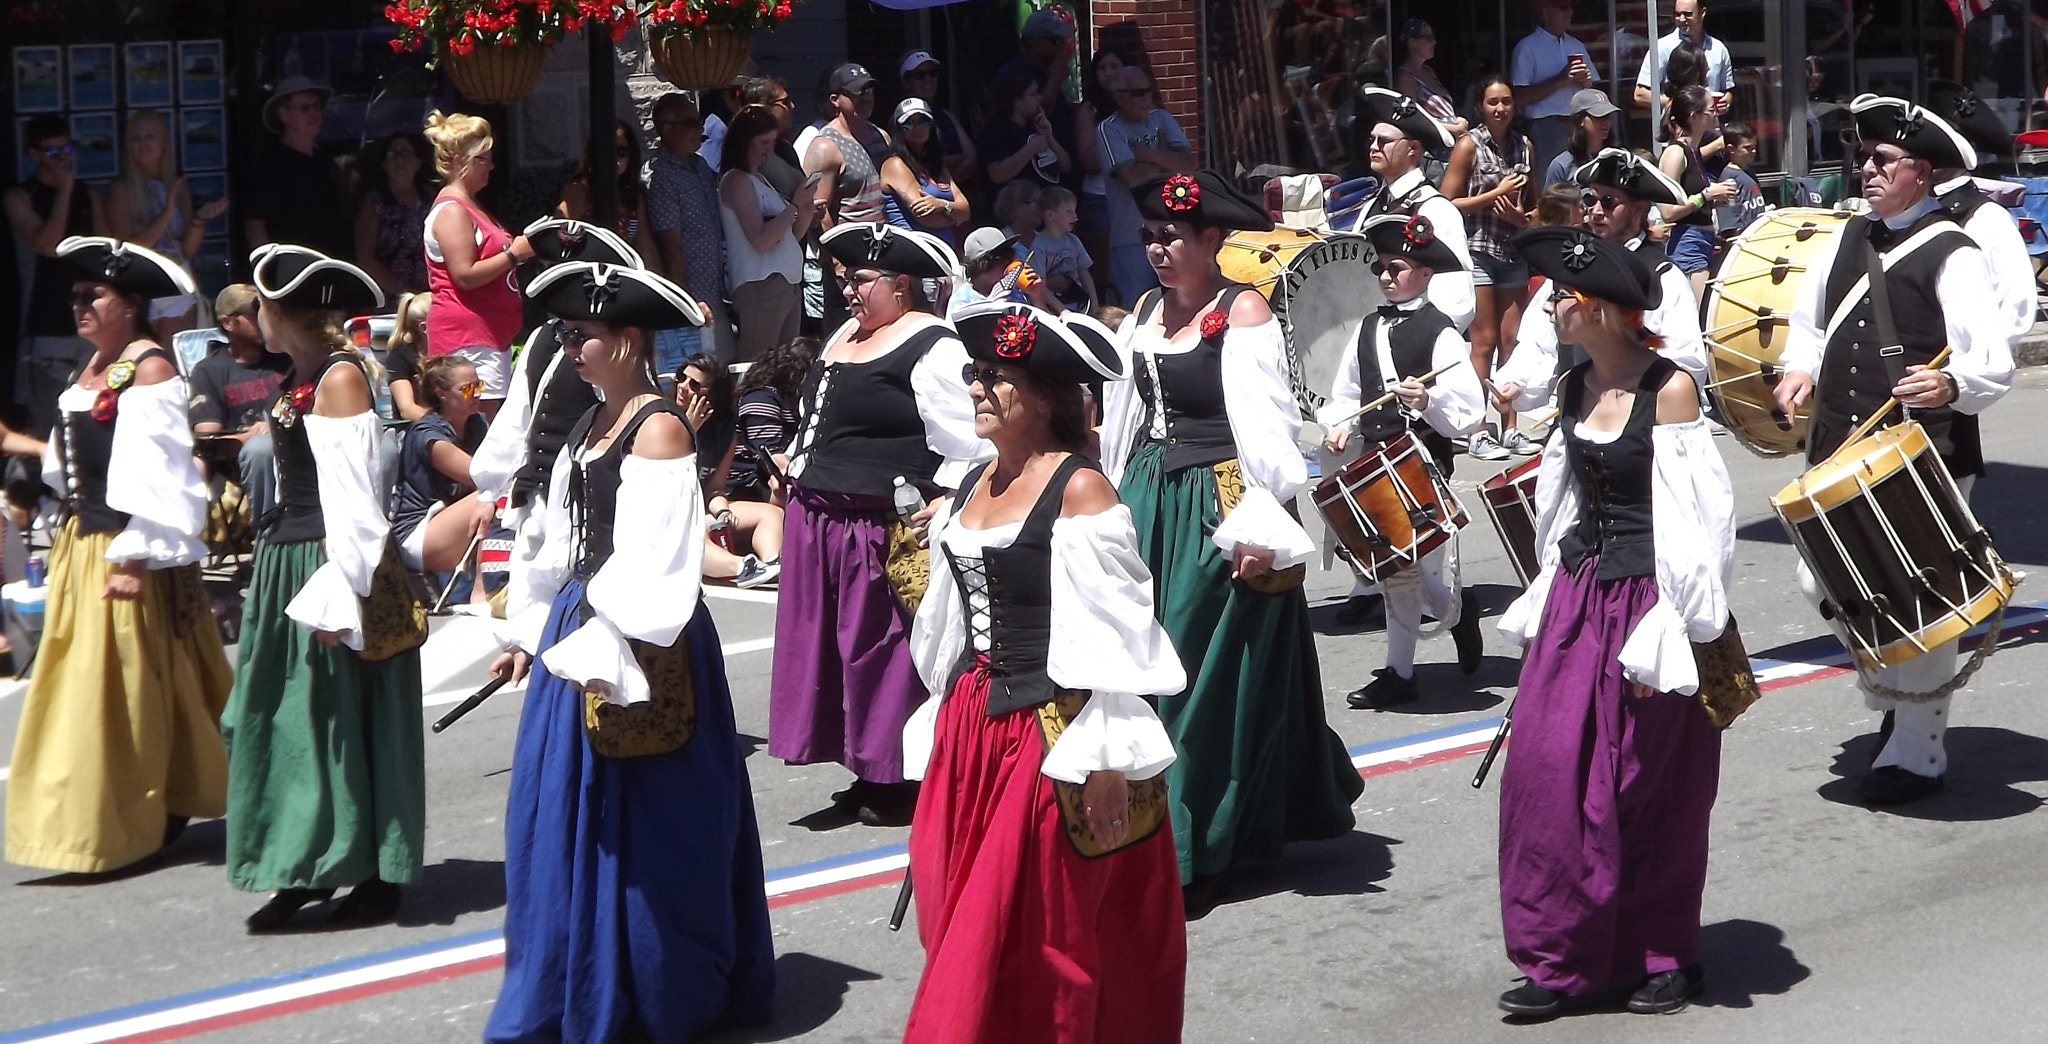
(1147, 809)
(1229, 491)
(663, 724)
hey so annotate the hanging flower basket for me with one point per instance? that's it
(495, 75)
(709, 59)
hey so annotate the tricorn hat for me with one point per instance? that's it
(126, 267)
(301, 277)
(1203, 198)
(886, 248)
(1401, 112)
(1070, 349)
(1414, 237)
(1915, 130)
(1624, 170)
(614, 295)
(1977, 122)
(1582, 261)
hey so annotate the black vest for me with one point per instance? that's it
(296, 519)
(556, 408)
(1409, 202)
(84, 447)
(1020, 598)
(1412, 343)
(1854, 379)
(864, 429)
(594, 485)
(1962, 201)
(1614, 482)
(1197, 422)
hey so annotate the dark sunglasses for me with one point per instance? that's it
(1397, 266)
(918, 121)
(1564, 293)
(1609, 200)
(86, 297)
(55, 151)
(1147, 237)
(989, 376)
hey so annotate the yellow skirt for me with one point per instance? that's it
(121, 726)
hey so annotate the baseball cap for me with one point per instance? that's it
(1593, 101)
(909, 107)
(851, 78)
(985, 241)
(1049, 23)
(915, 60)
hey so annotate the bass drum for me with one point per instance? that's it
(1749, 314)
(1318, 284)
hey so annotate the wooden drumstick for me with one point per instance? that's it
(1885, 410)
(1388, 397)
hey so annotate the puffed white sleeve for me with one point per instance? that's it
(1345, 394)
(1980, 357)
(1533, 365)
(1557, 504)
(1107, 641)
(1806, 332)
(1692, 511)
(345, 456)
(503, 451)
(650, 586)
(948, 411)
(1451, 289)
(938, 636)
(1258, 395)
(1122, 409)
(543, 554)
(153, 478)
(1457, 401)
(2012, 268)
(1677, 323)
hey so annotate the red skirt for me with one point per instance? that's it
(1024, 939)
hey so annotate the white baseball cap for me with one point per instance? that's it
(916, 59)
(909, 107)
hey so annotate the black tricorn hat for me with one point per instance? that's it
(1915, 130)
(1962, 110)
(1204, 198)
(1403, 114)
(556, 240)
(126, 267)
(301, 277)
(1624, 170)
(1413, 237)
(1070, 349)
(886, 248)
(1582, 261)
(614, 295)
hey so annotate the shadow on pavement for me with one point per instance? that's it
(1745, 959)
(452, 888)
(204, 843)
(750, 744)
(1984, 764)
(1322, 619)
(809, 990)
(1445, 691)
(1350, 865)
(2019, 495)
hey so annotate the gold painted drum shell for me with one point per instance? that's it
(1389, 508)
(1749, 311)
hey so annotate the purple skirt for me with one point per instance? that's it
(1604, 801)
(843, 685)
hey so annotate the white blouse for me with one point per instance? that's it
(1105, 641)
(647, 590)
(1456, 405)
(345, 457)
(151, 474)
(503, 452)
(1258, 395)
(942, 401)
(1995, 232)
(1692, 513)
(1675, 321)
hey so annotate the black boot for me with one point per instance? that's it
(1387, 689)
(1470, 646)
(278, 911)
(1892, 785)
(372, 902)
(1530, 1001)
(888, 804)
(1666, 992)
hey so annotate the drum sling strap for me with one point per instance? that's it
(1890, 349)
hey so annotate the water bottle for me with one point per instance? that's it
(36, 570)
(908, 500)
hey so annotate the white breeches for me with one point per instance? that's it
(1408, 593)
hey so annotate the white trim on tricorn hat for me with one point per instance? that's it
(127, 267)
(1071, 349)
(884, 247)
(1914, 129)
(566, 230)
(311, 279)
(1624, 170)
(615, 295)
(1400, 111)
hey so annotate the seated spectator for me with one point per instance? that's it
(1056, 251)
(433, 468)
(402, 362)
(231, 393)
(995, 274)
(743, 544)
(769, 396)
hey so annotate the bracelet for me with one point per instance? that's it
(1697, 201)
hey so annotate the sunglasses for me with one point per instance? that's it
(1395, 266)
(86, 297)
(1387, 141)
(1147, 237)
(1565, 293)
(57, 151)
(989, 376)
(471, 390)
(918, 121)
(783, 103)
(1869, 154)
(1595, 200)
(692, 383)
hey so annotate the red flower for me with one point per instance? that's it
(103, 405)
(302, 397)
(1181, 193)
(1214, 322)
(1014, 336)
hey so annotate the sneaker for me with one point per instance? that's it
(1520, 445)
(754, 572)
(1485, 447)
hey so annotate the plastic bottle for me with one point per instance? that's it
(908, 500)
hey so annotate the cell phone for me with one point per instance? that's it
(816, 177)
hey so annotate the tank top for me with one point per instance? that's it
(49, 297)
(486, 316)
(899, 215)
(1694, 180)
(743, 263)
(859, 188)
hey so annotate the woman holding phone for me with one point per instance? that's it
(764, 265)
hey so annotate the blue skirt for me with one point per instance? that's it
(634, 898)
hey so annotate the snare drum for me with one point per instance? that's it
(1901, 562)
(1318, 284)
(1749, 310)
(1510, 500)
(1389, 507)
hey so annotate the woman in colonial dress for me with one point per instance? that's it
(326, 755)
(1607, 790)
(119, 739)
(883, 402)
(1201, 445)
(1044, 871)
(635, 906)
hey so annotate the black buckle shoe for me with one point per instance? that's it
(1666, 992)
(1892, 785)
(1470, 645)
(372, 902)
(888, 804)
(1530, 1001)
(278, 911)
(1386, 689)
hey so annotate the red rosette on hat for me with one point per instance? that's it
(1014, 336)
(1181, 193)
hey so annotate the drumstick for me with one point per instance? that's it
(1387, 398)
(454, 575)
(1885, 410)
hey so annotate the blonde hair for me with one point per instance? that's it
(328, 329)
(411, 330)
(134, 181)
(457, 137)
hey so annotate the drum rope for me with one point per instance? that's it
(1983, 652)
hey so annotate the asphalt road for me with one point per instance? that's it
(1824, 921)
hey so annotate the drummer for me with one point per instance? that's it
(1405, 339)
(1401, 133)
(1989, 225)
(1618, 189)
(1832, 356)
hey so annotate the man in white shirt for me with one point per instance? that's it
(1549, 65)
(1989, 225)
(1690, 17)
(1400, 132)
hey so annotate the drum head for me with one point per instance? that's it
(1749, 308)
(1318, 301)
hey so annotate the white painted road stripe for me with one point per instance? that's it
(1411, 751)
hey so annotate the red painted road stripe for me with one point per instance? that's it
(316, 1001)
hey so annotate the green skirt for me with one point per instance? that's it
(327, 778)
(1259, 765)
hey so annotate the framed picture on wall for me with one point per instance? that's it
(92, 76)
(1892, 77)
(199, 73)
(205, 189)
(149, 75)
(95, 143)
(202, 139)
(38, 79)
